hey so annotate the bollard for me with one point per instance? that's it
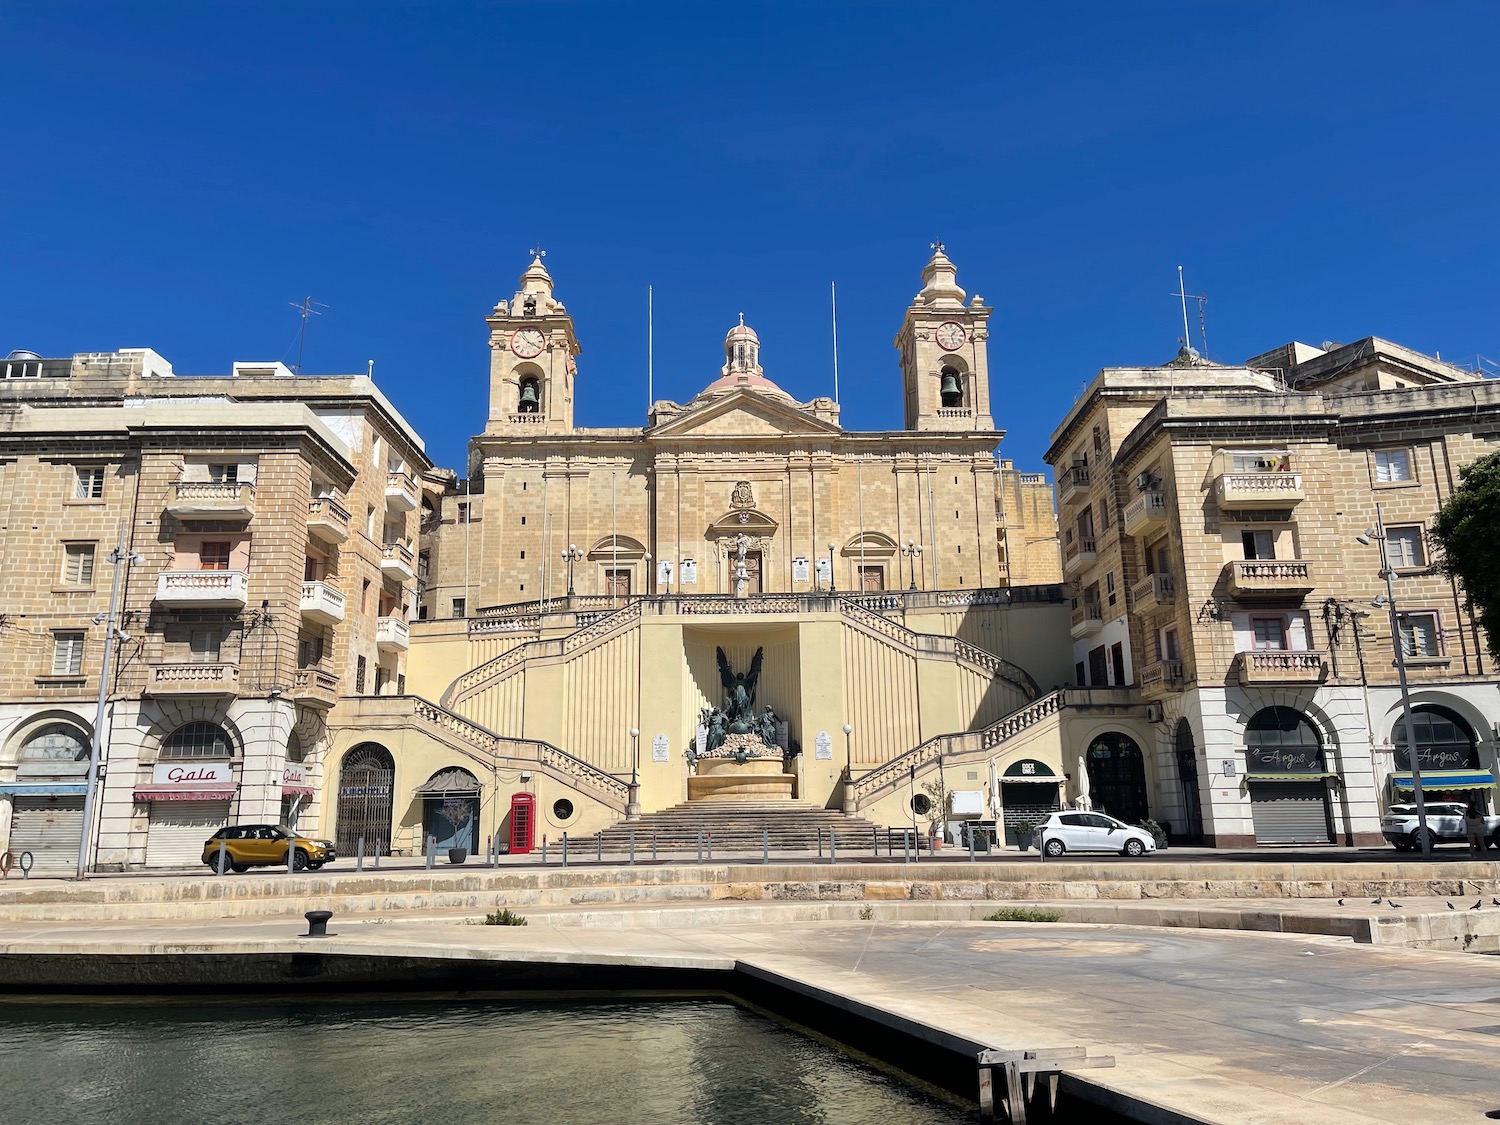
(820, 843)
(875, 842)
(833, 846)
(765, 845)
(653, 847)
(544, 849)
(317, 923)
(916, 847)
(598, 847)
(223, 843)
(377, 855)
(431, 852)
(359, 855)
(565, 849)
(1041, 845)
(710, 847)
(632, 847)
(905, 847)
(970, 835)
(700, 845)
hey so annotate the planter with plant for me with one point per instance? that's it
(1158, 833)
(1026, 834)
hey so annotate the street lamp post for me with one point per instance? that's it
(96, 744)
(830, 568)
(912, 551)
(1377, 535)
(570, 556)
(633, 800)
(848, 770)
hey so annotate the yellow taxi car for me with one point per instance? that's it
(263, 845)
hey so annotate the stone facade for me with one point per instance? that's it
(1210, 519)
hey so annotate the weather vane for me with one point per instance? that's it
(938, 246)
(538, 252)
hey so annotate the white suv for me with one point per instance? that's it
(1091, 832)
(1445, 821)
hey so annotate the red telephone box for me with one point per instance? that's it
(522, 823)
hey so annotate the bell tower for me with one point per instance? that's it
(533, 358)
(943, 343)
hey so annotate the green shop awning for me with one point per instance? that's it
(1314, 775)
(1446, 779)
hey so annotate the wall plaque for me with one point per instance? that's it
(823, 747)
(660, 747)
(688, 573)
(799, 569)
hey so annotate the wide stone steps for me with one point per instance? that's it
(740, 826)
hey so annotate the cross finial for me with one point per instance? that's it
(938, 246)
(538, 252)
(742, 320)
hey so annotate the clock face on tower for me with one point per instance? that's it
(950, 336)
(529, 342)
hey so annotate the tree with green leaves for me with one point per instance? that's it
(1467, 528)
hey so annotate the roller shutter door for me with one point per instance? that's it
(178, 829)
(1025, 803)
(1290, 812)
(49, 828)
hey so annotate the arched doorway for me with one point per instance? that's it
(1117, 777)
(1286, 778)
(1448, 753)
(1187, 777)
(367, 780)
(191, 795)
(47, 805)
(450, 810)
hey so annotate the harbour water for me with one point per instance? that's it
(434, 1061)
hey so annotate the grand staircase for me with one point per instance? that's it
(740, 827)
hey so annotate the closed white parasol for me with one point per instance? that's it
(1081, 779)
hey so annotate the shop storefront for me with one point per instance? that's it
(189, 802)
(296, 791)
(450, 809)
(1448, 754)
(47, 799)
(1028, 795)
(1286, 779)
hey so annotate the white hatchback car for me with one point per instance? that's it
(1091, 832)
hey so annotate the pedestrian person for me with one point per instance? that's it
(1474, 830)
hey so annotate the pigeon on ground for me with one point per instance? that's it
(1393, 902)
(1495, 902)
(1376, 900)
(1477, 904)
(1341, 902)
(1450, 906)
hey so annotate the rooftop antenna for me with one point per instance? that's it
(305, 306)
(1202, 298)
(833, 293)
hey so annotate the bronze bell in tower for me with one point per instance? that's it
(949, 390)
(529, 402)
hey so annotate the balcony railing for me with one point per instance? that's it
(1154, 589)
(1259, 490)
(1145, 513)
(192, 678)
(322, 602)
(214, 500)
(1252, 578)
(1080, 553)
(1160, 677)
(203, 589)
(314, 687)
(1075, 476)
(526, 419)
(400, 491)
(1088, 618)
(954, 412)
(1282, 666)
(397, 560)
(392, 633)
(328, 519)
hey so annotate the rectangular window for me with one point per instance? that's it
(400, 683)
(1258, 544)
(88, 483)
(203, 645)
(460, 606)
(1109, 586)
(364, 597)
(1104, 515)
(463, 513)
(359, 675)
(1261, 463)
(1419, 635)
(213, 555)
(1392, 465)
(67, 654)
(1270, 633)
(1403, 546)
(309, 652)
(1170, 650)
(224, 473)
(78, 564)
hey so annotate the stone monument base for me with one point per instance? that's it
(758, 779)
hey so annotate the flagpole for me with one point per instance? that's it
(833, 292)
(650, 351)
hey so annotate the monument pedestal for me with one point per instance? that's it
(757, 779)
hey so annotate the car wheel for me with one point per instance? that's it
(241, 868)
(1134, 849)
(221, 865)
(299, 860)
(1401, 845)
(1415, 844)
(1054, 848)
(315, 866)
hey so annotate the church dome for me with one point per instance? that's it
(742, 365)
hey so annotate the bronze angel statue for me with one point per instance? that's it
(739, 691)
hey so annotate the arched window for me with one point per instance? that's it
(294, 751)
(1444, 740)
(366, 797)
(1187, 777)
(951, 388)
(56, 743)
(531, 396)
(1282, 740)
(1117, 777)
(198, 740)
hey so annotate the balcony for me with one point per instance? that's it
(1281, 666)
(1146, 513)
(322, 602)
(195, 678)
(392, 635)
(398, 562)
(212, 500)
(1074, 477)
(400, 492)
(203, 589)
(1160, 677)
(328, 519)
(1087, 618)
(1080, 553)
(1270, 578)
(1154, 590)
(313, 687)
(1259, 490)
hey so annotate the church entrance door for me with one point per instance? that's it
(872, 579)
(617, 584)
(752, 572)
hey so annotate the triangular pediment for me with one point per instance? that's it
(742, 413)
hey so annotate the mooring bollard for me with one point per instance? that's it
(565, 850)
(223, 843)
(765, 845)
(833, 846)
(632, 847)
(317, 923)
(431, 851)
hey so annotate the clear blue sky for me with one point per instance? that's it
(176, 174)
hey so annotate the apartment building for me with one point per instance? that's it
(1211, 519)
(267, 522)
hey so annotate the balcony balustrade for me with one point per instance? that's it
(203, 589)
(212, 500)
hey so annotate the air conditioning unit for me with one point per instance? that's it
(1155, 713)
(1146, 481)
